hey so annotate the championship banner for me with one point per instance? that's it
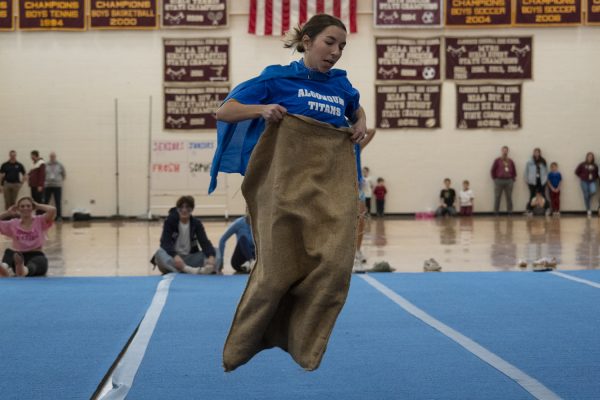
(6, 15)
(404, 59)
(593, 12)
(194, 13)
(488, 106)
(59, 15)
(196, 60)
(547, 12)
(484, 58)
(408, 106)
(192, 108)
(407, 13)
(478, 13)
(123, 14)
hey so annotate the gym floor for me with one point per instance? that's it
(123, 248)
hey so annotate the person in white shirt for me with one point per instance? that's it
(368, 184)
(466, 199)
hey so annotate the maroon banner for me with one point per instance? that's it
(194, 13)
(192, 108)
(407, 13)
(406, 59)
(6, 15)
(123, 14)
(478, 13)
(484, 58)
(488, 106)
(60, 15)
(593, 12)
(408, 106)
(547, 12)
(196, 60)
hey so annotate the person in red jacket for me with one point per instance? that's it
(37, 177)
(380, 191)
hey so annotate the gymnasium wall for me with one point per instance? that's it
(58, 92)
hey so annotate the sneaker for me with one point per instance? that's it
(541, 265)
(208, 269)
(358, 267)
(360, 256)
(248, 266)
(589, 213)
(522, 264)
(382, 266)
(4, 270)
(551, 262)
(431, 266)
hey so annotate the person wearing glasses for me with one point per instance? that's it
(184, 246)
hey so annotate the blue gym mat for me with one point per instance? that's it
(589, 274)
(547, 326)
(377, 351)
(59, 336)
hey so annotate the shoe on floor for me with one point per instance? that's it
(522, 264)
(551, 262)
(359, 255)
(541, 265)
(382, 266)
(431, 266)
(248, 266)
(207, 270)
(358, 267)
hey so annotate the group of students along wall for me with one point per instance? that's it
(544, 182)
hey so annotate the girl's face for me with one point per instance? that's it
(25, 208)
(537, 153)
(325, 49)
(589, 157)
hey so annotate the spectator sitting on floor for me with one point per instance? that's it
(244, 255)
(447, 200)
(181, 234)
(28, 234)
(538, 204)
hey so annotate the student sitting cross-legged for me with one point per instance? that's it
(184, 246)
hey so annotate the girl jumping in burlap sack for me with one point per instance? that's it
(288, 130)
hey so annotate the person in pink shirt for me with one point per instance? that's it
(28, 234)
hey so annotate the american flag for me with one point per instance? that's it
(276, 17)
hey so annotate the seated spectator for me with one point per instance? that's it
(538, 204)
(28, 234)
(244, 255)
(181, 234)
(466, 200)
(447, 200)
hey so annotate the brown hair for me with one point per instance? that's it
(317, 24)
(189, 200)
(26, 198)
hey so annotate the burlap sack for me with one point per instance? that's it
(301, 191)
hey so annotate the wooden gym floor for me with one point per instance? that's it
(123, 248)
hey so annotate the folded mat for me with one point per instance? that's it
(302, 197)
